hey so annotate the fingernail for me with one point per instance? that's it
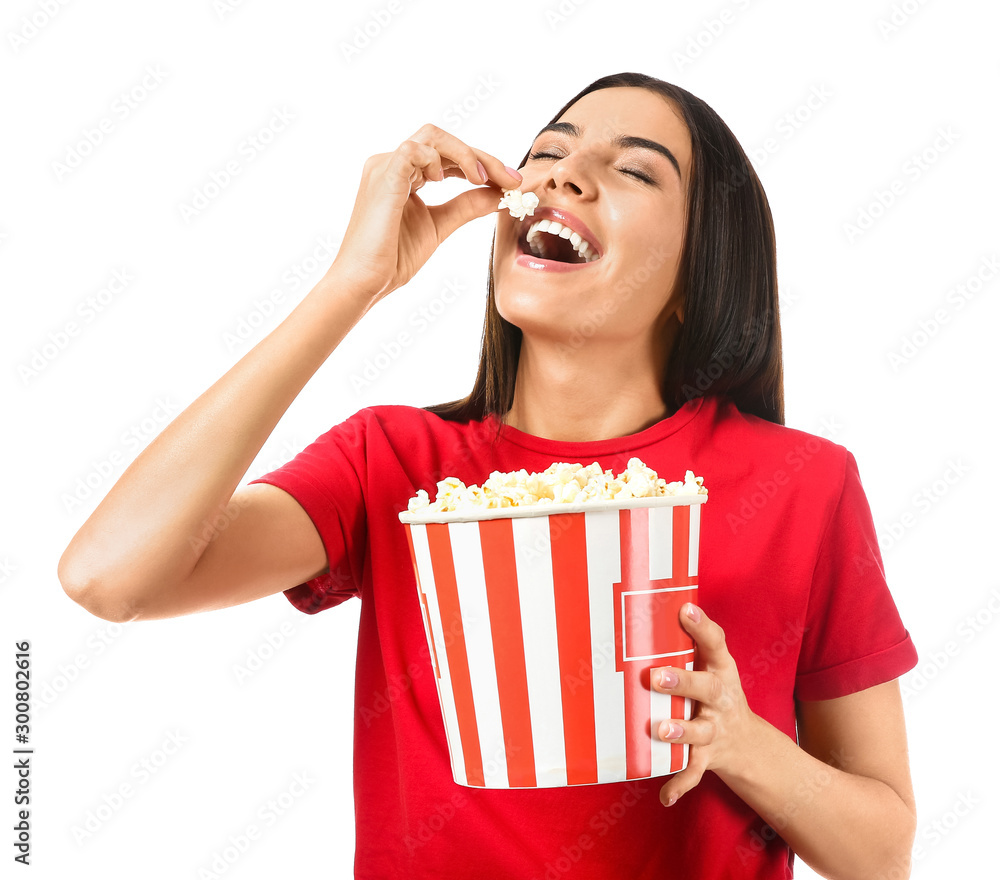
(671, 801)
(513, 172)
(673, 731)
(694, 612)
(482, 171)
(668, 679)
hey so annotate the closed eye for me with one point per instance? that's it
(630, 171)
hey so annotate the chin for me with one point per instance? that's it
(543, 320)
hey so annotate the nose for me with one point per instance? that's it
(571, 173)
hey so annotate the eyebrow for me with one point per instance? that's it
(624, 141)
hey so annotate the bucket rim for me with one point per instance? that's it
(419, 517)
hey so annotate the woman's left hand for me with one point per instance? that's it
(721, 733)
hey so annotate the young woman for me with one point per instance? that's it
(665, 346)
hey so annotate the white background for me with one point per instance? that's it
(921, 424)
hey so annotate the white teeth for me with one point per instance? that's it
(554, 227)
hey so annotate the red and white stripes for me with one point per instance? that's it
(543, 630)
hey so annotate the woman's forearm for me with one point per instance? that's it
(844, 826)
(185, 478)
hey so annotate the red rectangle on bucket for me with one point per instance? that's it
(650, 615)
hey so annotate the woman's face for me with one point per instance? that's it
(590, 180)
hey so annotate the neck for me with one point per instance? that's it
(596, 392)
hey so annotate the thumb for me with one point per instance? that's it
(464, 207)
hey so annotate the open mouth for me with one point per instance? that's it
(551, 240)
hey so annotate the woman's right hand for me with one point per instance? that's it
(392, 233)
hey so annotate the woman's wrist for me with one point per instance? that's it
(757, 744)
(346, 285)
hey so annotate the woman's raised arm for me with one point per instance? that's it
(142, 553)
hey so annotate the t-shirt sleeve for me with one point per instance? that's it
(854, 638)
(327, 478)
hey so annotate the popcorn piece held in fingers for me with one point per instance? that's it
(519, 204)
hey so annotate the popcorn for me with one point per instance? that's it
(560, 483)
(519, 204)
(421, 499)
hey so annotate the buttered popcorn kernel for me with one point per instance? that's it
(560, 483)
(519, 204)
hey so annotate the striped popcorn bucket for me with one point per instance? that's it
(542, 628)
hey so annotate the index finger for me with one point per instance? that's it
(709, 637)
(700, 686)
(458, 158)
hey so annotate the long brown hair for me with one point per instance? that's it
(730, 340)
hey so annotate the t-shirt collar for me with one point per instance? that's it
(653, 434)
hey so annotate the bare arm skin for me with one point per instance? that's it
(150, 549)
(841, 799)
(155, 546)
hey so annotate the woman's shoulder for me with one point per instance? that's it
(405, 416)
(412, 430)
(783, 448)
(755, 428)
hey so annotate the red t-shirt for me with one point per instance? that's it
(789, 567)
